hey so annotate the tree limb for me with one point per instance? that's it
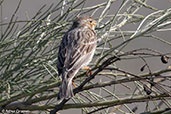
(108, 103)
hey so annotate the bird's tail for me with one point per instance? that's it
(65, 91)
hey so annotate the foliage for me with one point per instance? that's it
(28, 74)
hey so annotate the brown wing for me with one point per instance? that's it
(76, 49)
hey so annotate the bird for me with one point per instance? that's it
(76, 51)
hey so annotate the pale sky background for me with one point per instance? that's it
(30, 7)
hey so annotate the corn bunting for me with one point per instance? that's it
(75, 52)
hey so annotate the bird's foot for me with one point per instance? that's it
(88, 71)
(74, 84)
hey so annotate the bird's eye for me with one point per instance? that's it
(91, 21)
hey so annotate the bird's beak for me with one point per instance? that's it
(93, 24)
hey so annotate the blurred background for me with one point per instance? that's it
(29, 8)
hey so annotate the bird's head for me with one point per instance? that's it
(85, 21)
